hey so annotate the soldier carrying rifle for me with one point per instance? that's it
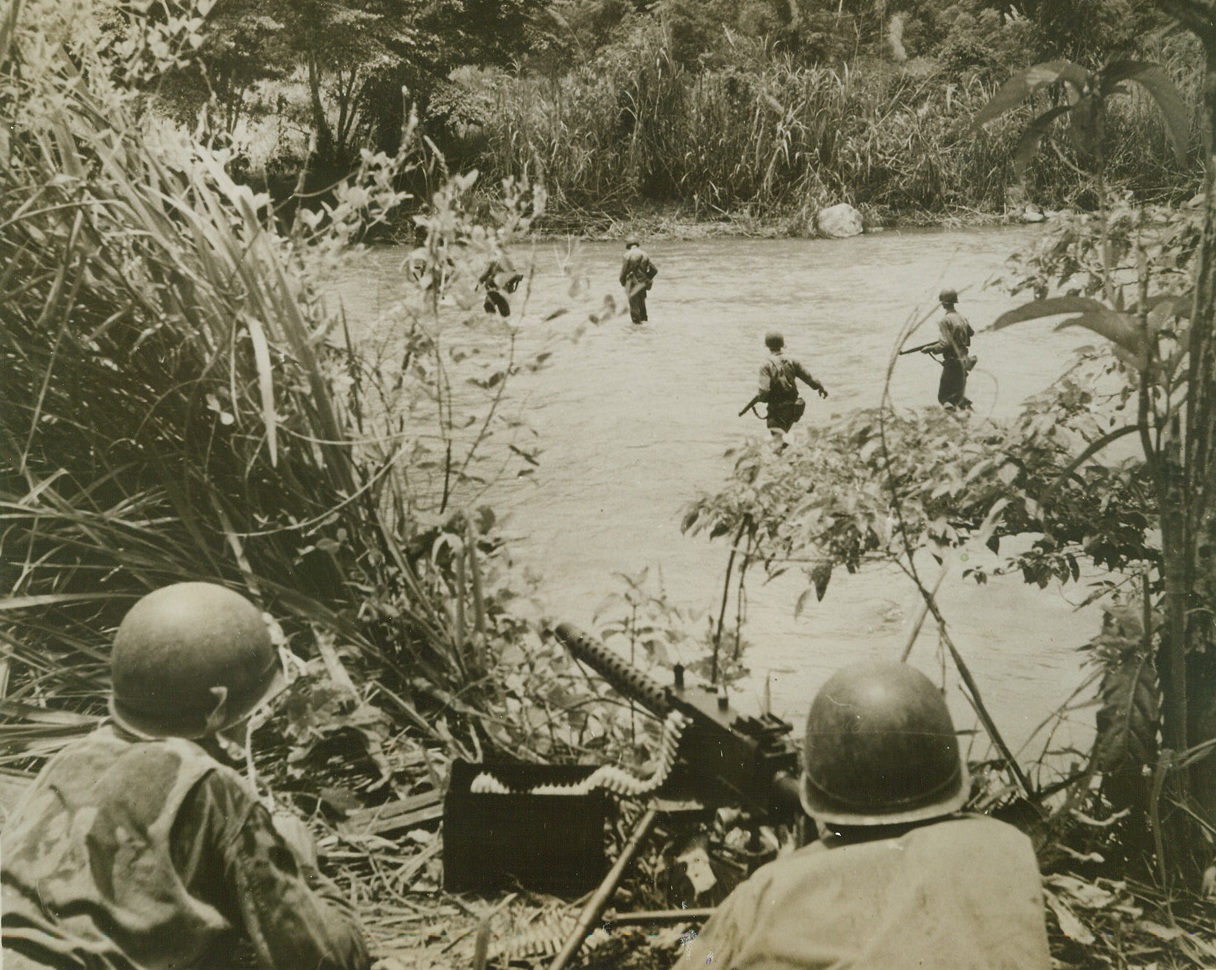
(954, 346)
(779, 387)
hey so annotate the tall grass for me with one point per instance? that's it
(173, 408)
(637, 127)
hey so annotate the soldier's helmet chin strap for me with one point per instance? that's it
(216, 720)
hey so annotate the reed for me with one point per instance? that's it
(636, 127)
(173, 408)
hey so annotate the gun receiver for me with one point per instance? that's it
(730, 756)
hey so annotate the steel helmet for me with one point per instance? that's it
(773, 340)
(948, 296)
(631, 241)
(881, 749)
(191, 659)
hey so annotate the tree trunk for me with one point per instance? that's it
(320, 124)
(1200, 521)
(1189, 532)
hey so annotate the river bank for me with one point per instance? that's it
(680, 223)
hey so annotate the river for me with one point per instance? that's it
(634, 421)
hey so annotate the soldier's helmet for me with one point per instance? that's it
(191, 659)
(881, 749)
(631, 241)
(948, 297)
(773, 340)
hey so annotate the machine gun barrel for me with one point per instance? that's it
(732, 757)
(620, 674)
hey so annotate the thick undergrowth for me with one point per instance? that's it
(779, 140)
(181, 402)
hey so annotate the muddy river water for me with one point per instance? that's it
(634, 421)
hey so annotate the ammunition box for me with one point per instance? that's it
(546, 843)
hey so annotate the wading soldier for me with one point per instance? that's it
(136, 848)
(899, 879)
(955, 347)
(778, 389)
(499, 275)
(637, 276)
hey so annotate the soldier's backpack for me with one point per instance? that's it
(783, 385)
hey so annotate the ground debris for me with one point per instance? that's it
(397, 816)
(525, 931)
(1098, 923)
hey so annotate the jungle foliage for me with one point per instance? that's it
(763, 107)
(891, 486)
(181, 402)
(722, 109)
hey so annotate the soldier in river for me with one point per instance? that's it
(954, 346)
(778, 389)
(900, 877)
(136, 847)
(499, 277)
(637, 276)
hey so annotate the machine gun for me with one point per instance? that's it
(917, 350)
(724, 757)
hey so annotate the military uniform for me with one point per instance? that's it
(961, 894)
(954, 345)
(139, 854)
(779, 389)
(499, 275)
(637, 274)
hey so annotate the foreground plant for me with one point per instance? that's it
(180, 401)
(887, 485)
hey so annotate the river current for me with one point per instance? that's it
(633, 421)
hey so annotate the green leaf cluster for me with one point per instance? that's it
(1085, 96)
(874, 485)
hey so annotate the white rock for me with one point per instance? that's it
(839, 221)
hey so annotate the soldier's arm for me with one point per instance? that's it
(809, 379)
(292, 914)
(944, 341)
(766, 381)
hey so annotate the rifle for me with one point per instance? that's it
(724, 757)
(915, 350)
(750, 406)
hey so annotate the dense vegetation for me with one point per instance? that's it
(767, 108)
(179, 401)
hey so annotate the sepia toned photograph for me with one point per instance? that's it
(595, 484)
